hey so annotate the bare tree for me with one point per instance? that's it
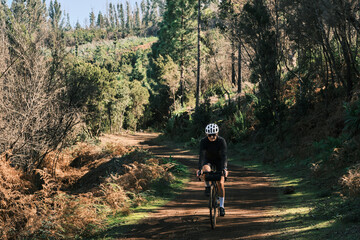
(34, 114)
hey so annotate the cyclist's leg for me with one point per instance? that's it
(221, 186)
(206, 168)
(220, 183)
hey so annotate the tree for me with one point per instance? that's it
(137, 16)
(323, 39)
(55, 13)
(92, 19)
(177, 36)
(229, 13)
(35, 117)
(68, 24)
(143, 12)
(121, 15)
(118, 104)
(153, 16)
(100, 20)
(111, 16)
(128, 17)
(88, 86)
(257, 29)
(198, 58)
(139, 98)
(169, 75)
(147, 13)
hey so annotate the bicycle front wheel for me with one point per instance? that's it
(213, 207)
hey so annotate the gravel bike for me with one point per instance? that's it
(214, 204)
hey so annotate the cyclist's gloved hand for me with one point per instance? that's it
(225, 172)
(198, 173)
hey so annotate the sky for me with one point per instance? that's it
(79, 9)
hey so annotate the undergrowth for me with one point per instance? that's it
(59, 210)
(325, 202)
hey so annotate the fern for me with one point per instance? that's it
(352, 118)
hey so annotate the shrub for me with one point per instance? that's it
(352, 119)
(351, 181)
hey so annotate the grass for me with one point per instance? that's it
(312, 212)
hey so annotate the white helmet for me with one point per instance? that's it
(212, 128)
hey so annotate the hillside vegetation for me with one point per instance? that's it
(281, 78)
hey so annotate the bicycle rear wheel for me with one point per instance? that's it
(213, 207)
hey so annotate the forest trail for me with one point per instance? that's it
(249, 200)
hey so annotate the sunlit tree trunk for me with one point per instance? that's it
(198, 62)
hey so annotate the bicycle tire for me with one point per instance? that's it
(212, 206)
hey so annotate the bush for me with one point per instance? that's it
(352, 119)
(351, 181)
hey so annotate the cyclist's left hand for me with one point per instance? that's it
(226, 173)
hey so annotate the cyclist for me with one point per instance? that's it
(213, 151)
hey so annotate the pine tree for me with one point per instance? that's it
(111, 16)
(121, 15)
(128, 17)
(77, 25)
(68, 24)
(143, 12)
(100, 20)
(177, 35)
(137, 16)
(153, 16)
(147, 13)
(92, 19)
(55, 13)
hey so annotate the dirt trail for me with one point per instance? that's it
(248, 202)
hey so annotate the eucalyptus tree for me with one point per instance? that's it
(325, 36)
(257, 30)
(229, 15)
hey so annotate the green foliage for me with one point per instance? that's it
(352, 119)
(257, 28)
(178, 125)
(237, 126)
(176, 34)
(87, 88)
(139, 98)
(168, 75)
(326, 146)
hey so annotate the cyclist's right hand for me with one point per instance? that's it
(198, 173)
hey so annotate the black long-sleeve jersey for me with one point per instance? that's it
(213, 152)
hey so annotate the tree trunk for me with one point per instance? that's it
(198, 65)
(239, 69)
(233, 72)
